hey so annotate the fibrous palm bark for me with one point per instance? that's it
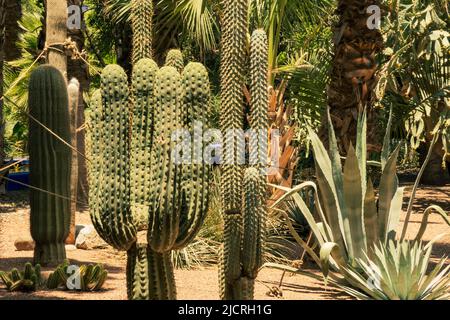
(2, 55)
(353, 76)
(56, 33)
(12, 29)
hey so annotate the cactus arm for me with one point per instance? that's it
(141, 24)
(175, 59)
(49, 157)
(118, 227)
(259, 106)
(143, 79)
(164, 212)
(196, 174)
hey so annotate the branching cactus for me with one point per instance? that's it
(50, 160)
(141, 23)
(244, 200)
(169, 197)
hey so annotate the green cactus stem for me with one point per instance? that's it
(144, 103)
(110, 211)
(234, 43)
(141, 24)
(175, 59)
(50, 161)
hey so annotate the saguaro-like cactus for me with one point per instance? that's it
(141, 23)
(243, 199)
(171, 198)
(50, 161)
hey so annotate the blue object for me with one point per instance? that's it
(23, 177)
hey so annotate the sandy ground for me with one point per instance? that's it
(198, 284)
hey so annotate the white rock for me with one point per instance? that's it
(70, 247)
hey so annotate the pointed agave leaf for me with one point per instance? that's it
(361, 151)
(294, 193)
(424, 223)
(394, 214)
(327, 190)
(388, 188)
(386, 142)
(329, 251)
(370, 218)
(353, 196)
(336, 168)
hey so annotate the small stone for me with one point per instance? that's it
(24, 245)
(70, 247)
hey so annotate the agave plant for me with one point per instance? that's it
(352, 220)
(398, 272)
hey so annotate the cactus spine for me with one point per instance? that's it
(49, 157)
(141, 23)
(243, 200)
(173, 199)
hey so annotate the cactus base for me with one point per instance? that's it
(49, 254)
(150, 274)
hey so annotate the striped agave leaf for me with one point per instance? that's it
(351, 219)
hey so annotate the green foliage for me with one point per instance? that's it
(415, 78)
(49, 157)
(398, 271)
(28, 280)
(16, 78)
(91, 278)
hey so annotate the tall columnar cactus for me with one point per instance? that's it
(243, 199)
(234, 43)
(50, 160)
(175, 59)
(172, 196)
(141, 23)
(73, 90)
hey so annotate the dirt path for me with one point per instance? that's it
(191, 284)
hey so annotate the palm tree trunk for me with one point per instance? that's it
(13, 15)
(56, 33)
(79, 70)
(353, 76)
(2, 55)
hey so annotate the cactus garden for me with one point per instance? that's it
(225, 150)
